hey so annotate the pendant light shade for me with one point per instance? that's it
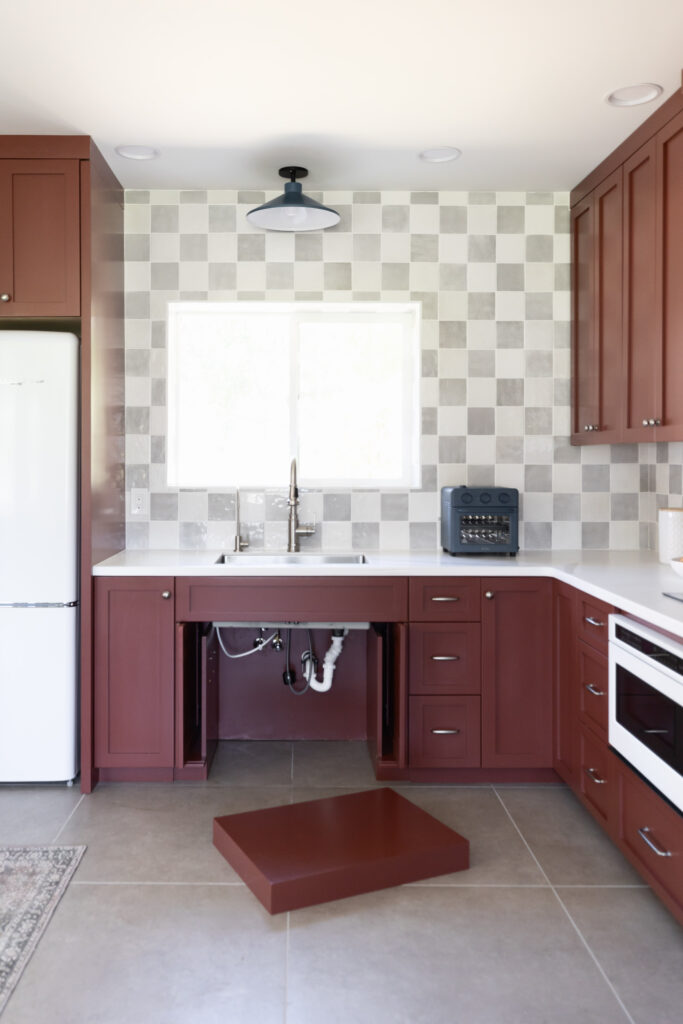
(293, 211)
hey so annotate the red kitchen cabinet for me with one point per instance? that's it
(565, 708)
(39, 238)
(516, 686)
(669, 278)
(597, 314)
(134, 673)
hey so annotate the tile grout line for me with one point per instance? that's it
(216, 885)
(571, 920)
(68, 819)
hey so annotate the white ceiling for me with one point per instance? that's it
(228, 92)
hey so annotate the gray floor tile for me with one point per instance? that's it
(570, 847)
(497, 854)
(34, 814)
(446, 956)
(158, 955)
(638, 944)
(252, 763)
(159, 833)
(333, 763)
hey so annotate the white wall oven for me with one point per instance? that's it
(646, 703)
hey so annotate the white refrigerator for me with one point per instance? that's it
(38, 556)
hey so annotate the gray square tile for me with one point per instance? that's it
(481, 305)
(539, 248)
(336, 507)
(366, 248)
(337, 276)
(452, 391)
(396, 218)
(430, 363)
(452, 334)
(222, 506)
(136, 247)
(452, 448)
(164, 276)
(251, 248)
(222, 276)
(538, 478)
(424, 248)
(481, 248)
(163, 507)
(453, 220)
(595, 536)
(308, 245)
(394, 507)
(481, 363)
(222, 218)
(280, 276)
(164, 218)
(453, 277)
(365, 536)
(538, 305)
(422, 536)
(509, 334)
(510, 391)
(481, 421)
(510, 220)
(395, 276)
(510, 277)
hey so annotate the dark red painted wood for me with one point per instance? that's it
(134, 683)
(430, 644)
(592, 692)
(593, 622)
(443, 599)
(517, 685)
(639, 293)
(595, 782)
(47, 147)
(640, 807)
(445, 732)
(302, 854)
(565, 683)
(608, 200)
(39, 238)
(256, 704)
(585, 355)
(288, 599)
(669, 277)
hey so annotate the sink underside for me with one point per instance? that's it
(289, 558)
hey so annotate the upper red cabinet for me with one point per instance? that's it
(627, 304)
(39, 238)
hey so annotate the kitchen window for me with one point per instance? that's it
(252, 385)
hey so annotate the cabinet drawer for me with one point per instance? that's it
(444, 599)
(593, 689)
(651, 833)
(445, 658)
(284, 599)
(445, 732)
(593, 622)
(596, 784)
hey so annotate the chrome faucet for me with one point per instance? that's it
(240, 544)
(294, 531)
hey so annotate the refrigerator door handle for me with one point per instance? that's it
(39, 604)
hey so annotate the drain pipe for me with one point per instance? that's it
(329, 662)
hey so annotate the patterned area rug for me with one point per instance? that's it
(33, 879)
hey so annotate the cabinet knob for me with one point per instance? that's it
(646, 423)
(658, 423)
(651, 423)
(5, 297)
(489, 595)
(166, 594)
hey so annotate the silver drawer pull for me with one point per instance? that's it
(445, 599)
(445, 657)
(645, 834)
(594, 777)
(656, 732)
(593, 622)
(593, 689)
(445, 732)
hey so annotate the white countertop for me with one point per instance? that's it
(633, 581)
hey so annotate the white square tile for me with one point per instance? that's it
(193, 218)
(453, 248)
(452, 362)
(481, 334)
(566, 536)
(424, 219)
(424, 277)
(539, 277)
(482, 219)
(510, 306)
(251, 277)
(365, 506)
(481, 277)
(452, 420)
(510, 421)
(137, 277)
(453, 305)
(395, 247)
(164, 247)
(481, 392)
(395, 536)
(367, 218)
(194, 276)
(138, 391)
(510, 248)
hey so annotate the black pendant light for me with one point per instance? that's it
(293, 211)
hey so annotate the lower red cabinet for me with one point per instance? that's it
(444, 732)
(595, 783)
(134, 672)
(650, 833)
(445, 658)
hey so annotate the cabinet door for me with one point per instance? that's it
(585, 412)
(445, 658)
(670, 277)
(134, 662)
(565, 702)
(444, 732)
(39, 238)
(641, 341)
(595, 783)
(608, 308)
(517, 691)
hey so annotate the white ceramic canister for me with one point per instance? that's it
(670, 528)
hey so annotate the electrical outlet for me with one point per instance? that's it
(139, 501)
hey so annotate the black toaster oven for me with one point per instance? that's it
(479, 520)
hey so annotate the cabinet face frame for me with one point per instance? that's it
(669, 275)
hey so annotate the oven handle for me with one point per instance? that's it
(645, 834)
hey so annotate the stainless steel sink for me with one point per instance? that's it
(288, 558)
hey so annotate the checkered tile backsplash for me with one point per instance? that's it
(491, 270)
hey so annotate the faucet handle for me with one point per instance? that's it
(305, 529)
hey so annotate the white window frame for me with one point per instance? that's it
(407, 314)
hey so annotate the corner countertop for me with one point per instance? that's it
(634, 581)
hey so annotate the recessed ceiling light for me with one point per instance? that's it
(632, 95)
(137, 152)
(440, 154)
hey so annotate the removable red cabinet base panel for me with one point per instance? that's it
(302, 854)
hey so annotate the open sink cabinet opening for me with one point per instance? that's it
(218, 698)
